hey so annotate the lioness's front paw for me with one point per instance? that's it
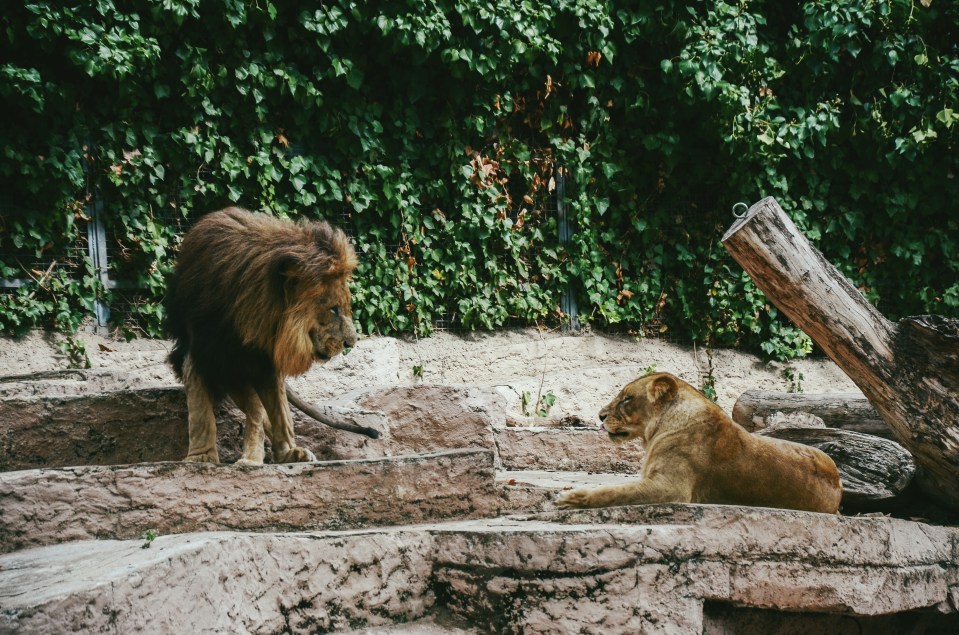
(248, 462)
(296, 455)
(211, 456)
(575, 499)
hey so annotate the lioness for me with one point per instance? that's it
(696, 454)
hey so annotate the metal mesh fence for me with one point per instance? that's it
(101, 239)
(37, 263)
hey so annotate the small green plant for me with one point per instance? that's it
(795, 379)
(524, 400)
(541, 407)
(709, 377)
(76, 352)
(786, 342)
(649, 370)
(149, 537)
(418, 370)
(709, 387)
(545, 404)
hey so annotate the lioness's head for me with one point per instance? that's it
(637, 404)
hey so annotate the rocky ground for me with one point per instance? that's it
(444, 524)
(583, 371)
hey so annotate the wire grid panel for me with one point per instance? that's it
(68, 256)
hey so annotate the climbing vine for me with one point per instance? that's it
(437, 134)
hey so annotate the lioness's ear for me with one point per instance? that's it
(662, 388)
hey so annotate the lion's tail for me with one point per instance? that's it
(327, 418)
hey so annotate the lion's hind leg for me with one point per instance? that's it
(247, 400)
(201, 420)
(279, 425)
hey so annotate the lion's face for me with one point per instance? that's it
(316, 327)
(333, 329)
(637, 404)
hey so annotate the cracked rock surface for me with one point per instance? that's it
(57, 505)
(649, 569)
(411, 533)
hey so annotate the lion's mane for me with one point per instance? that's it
(239, 300)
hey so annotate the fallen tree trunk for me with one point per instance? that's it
(841, 410)
(875, 472)
(908, 370)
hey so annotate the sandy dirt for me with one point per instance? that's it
(582, 371)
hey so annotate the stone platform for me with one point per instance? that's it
(57, 505)
(650, 569)
(443, 525)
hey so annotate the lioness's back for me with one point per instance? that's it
(770, 472)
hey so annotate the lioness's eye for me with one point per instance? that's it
(335, 310)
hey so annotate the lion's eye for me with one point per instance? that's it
(335, 310)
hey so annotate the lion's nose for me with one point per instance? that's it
(602, 415)
(350, 337)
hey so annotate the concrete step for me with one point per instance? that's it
(564, 450)
(536, 490)
(658, 568)
(68, 427)
(39, 507)
(70, 422)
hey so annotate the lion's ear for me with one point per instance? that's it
(287, 270)
(663, 388)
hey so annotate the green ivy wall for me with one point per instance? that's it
(436, 133)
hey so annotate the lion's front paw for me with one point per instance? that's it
(210, 456)
(249, 462)
(575, 499)
(296, 455)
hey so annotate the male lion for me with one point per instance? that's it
(252, 300)
(696, 454)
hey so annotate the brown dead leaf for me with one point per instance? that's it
(520, 220)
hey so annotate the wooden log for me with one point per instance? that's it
(908, 370)
(841, 410)
(875, 472)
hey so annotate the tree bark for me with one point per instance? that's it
(841, 410)
(908, 370)
(875, 472)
